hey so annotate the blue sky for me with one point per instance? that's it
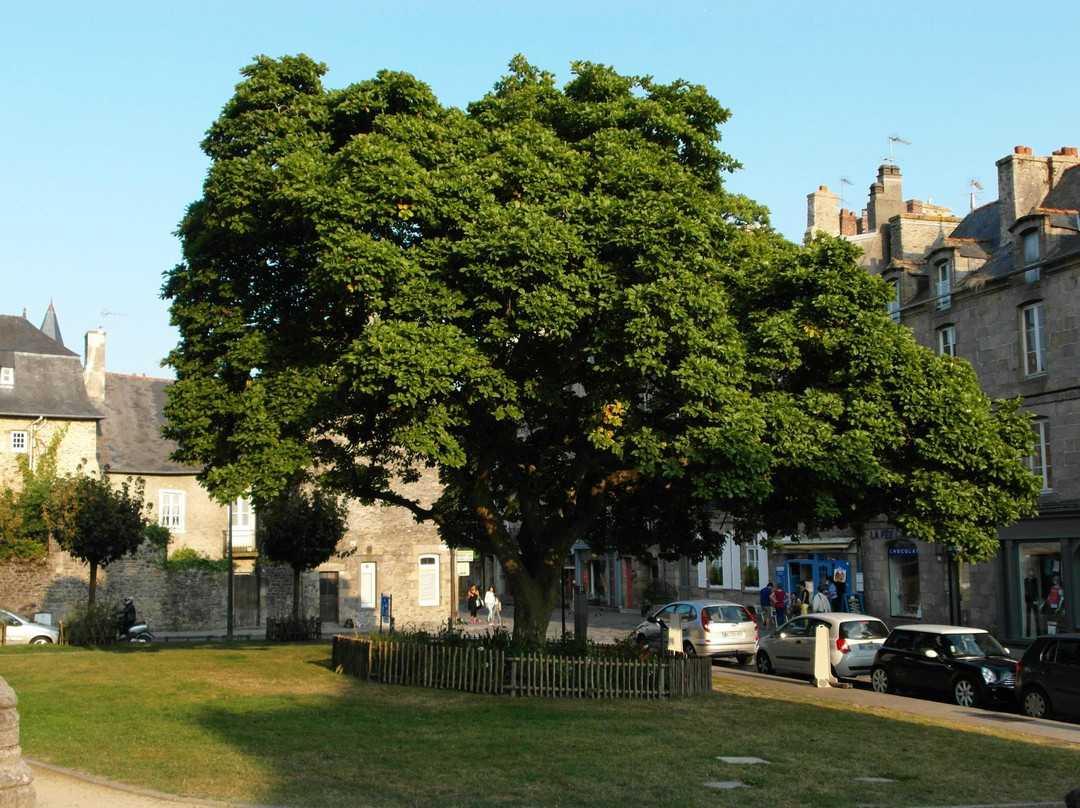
(105, 104)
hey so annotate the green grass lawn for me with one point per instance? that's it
(274, 725)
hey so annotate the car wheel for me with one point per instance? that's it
(41, 641)
(1037, 704)
(744, 659)
(764, 664)
(688, 648)
(881, 681)
(642, 641)
(965, 693)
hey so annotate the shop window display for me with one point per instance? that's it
(1040, 581)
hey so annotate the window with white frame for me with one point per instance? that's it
(20, 441)
(754, 557)
(946, 341)
(7, 377)
(171, 510)
(1039, 461)
(428, 593)
(368, 584)
(893, 305)
(722, 571)
(943, 284)
(1033, 339)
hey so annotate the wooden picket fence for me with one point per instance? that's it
(479, 670)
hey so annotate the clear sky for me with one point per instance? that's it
(105, 104)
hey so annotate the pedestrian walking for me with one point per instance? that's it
(490, 599)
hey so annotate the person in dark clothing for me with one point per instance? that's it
(127, 615)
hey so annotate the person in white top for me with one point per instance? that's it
(489, 601)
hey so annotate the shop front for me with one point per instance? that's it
(831, 565)
(1040, 568)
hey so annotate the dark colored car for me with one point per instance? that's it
(1048, 677)
(967, 664)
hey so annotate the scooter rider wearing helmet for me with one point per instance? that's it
(127, 616)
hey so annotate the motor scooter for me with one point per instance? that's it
(139, 632)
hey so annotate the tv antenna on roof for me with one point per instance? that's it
(895, 139)
(106, 313)
(975, 188)
(843, 181)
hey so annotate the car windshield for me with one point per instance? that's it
(972, 645)
(863, 630)
(727, 614)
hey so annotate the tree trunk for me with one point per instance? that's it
(93, 584)
(296, 594)
(535, 597)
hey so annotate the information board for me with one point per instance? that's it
(853, 602)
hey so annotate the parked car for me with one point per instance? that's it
(709, 628)
(20, 631)
(1048, 677)
(853, 641)
(968, 664)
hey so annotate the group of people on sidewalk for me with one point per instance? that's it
(489, 600)
(777, 606)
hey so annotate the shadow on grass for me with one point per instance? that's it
(384, 745)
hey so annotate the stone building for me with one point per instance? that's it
(112, 422)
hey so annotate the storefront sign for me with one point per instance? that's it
(903, 550)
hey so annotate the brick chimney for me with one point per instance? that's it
(821, 212)
(94, 365)
(886, 197)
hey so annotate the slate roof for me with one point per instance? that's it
(980, 225)
(48, 377)
(1066, 194)
(129, 439)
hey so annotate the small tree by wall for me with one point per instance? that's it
(95, 522)
(303, 531)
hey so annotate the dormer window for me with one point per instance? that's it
(1029, 246)
(894, 301)
(7, 377)
(943, 284)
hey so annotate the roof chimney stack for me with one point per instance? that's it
(94, 365)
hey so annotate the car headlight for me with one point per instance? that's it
(988, 675)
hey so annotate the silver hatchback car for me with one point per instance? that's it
(713, 628)
(20, 631)
(853, 641)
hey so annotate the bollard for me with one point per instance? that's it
(16, 779)
(822, 664)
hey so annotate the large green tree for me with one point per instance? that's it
(552, 298)
(302, 529)
(97, 522)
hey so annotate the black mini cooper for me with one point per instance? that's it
(967, 664)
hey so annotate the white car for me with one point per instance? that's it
(20, 631)
(853, 641)
(712, 628)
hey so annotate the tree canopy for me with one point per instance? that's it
(552, 297)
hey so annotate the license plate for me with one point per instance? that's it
(866, 646)
(735, 634)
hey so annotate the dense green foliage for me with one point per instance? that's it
(302, 529)
(552, 298)
(184, 559)
(24, 535)
(97, 522)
